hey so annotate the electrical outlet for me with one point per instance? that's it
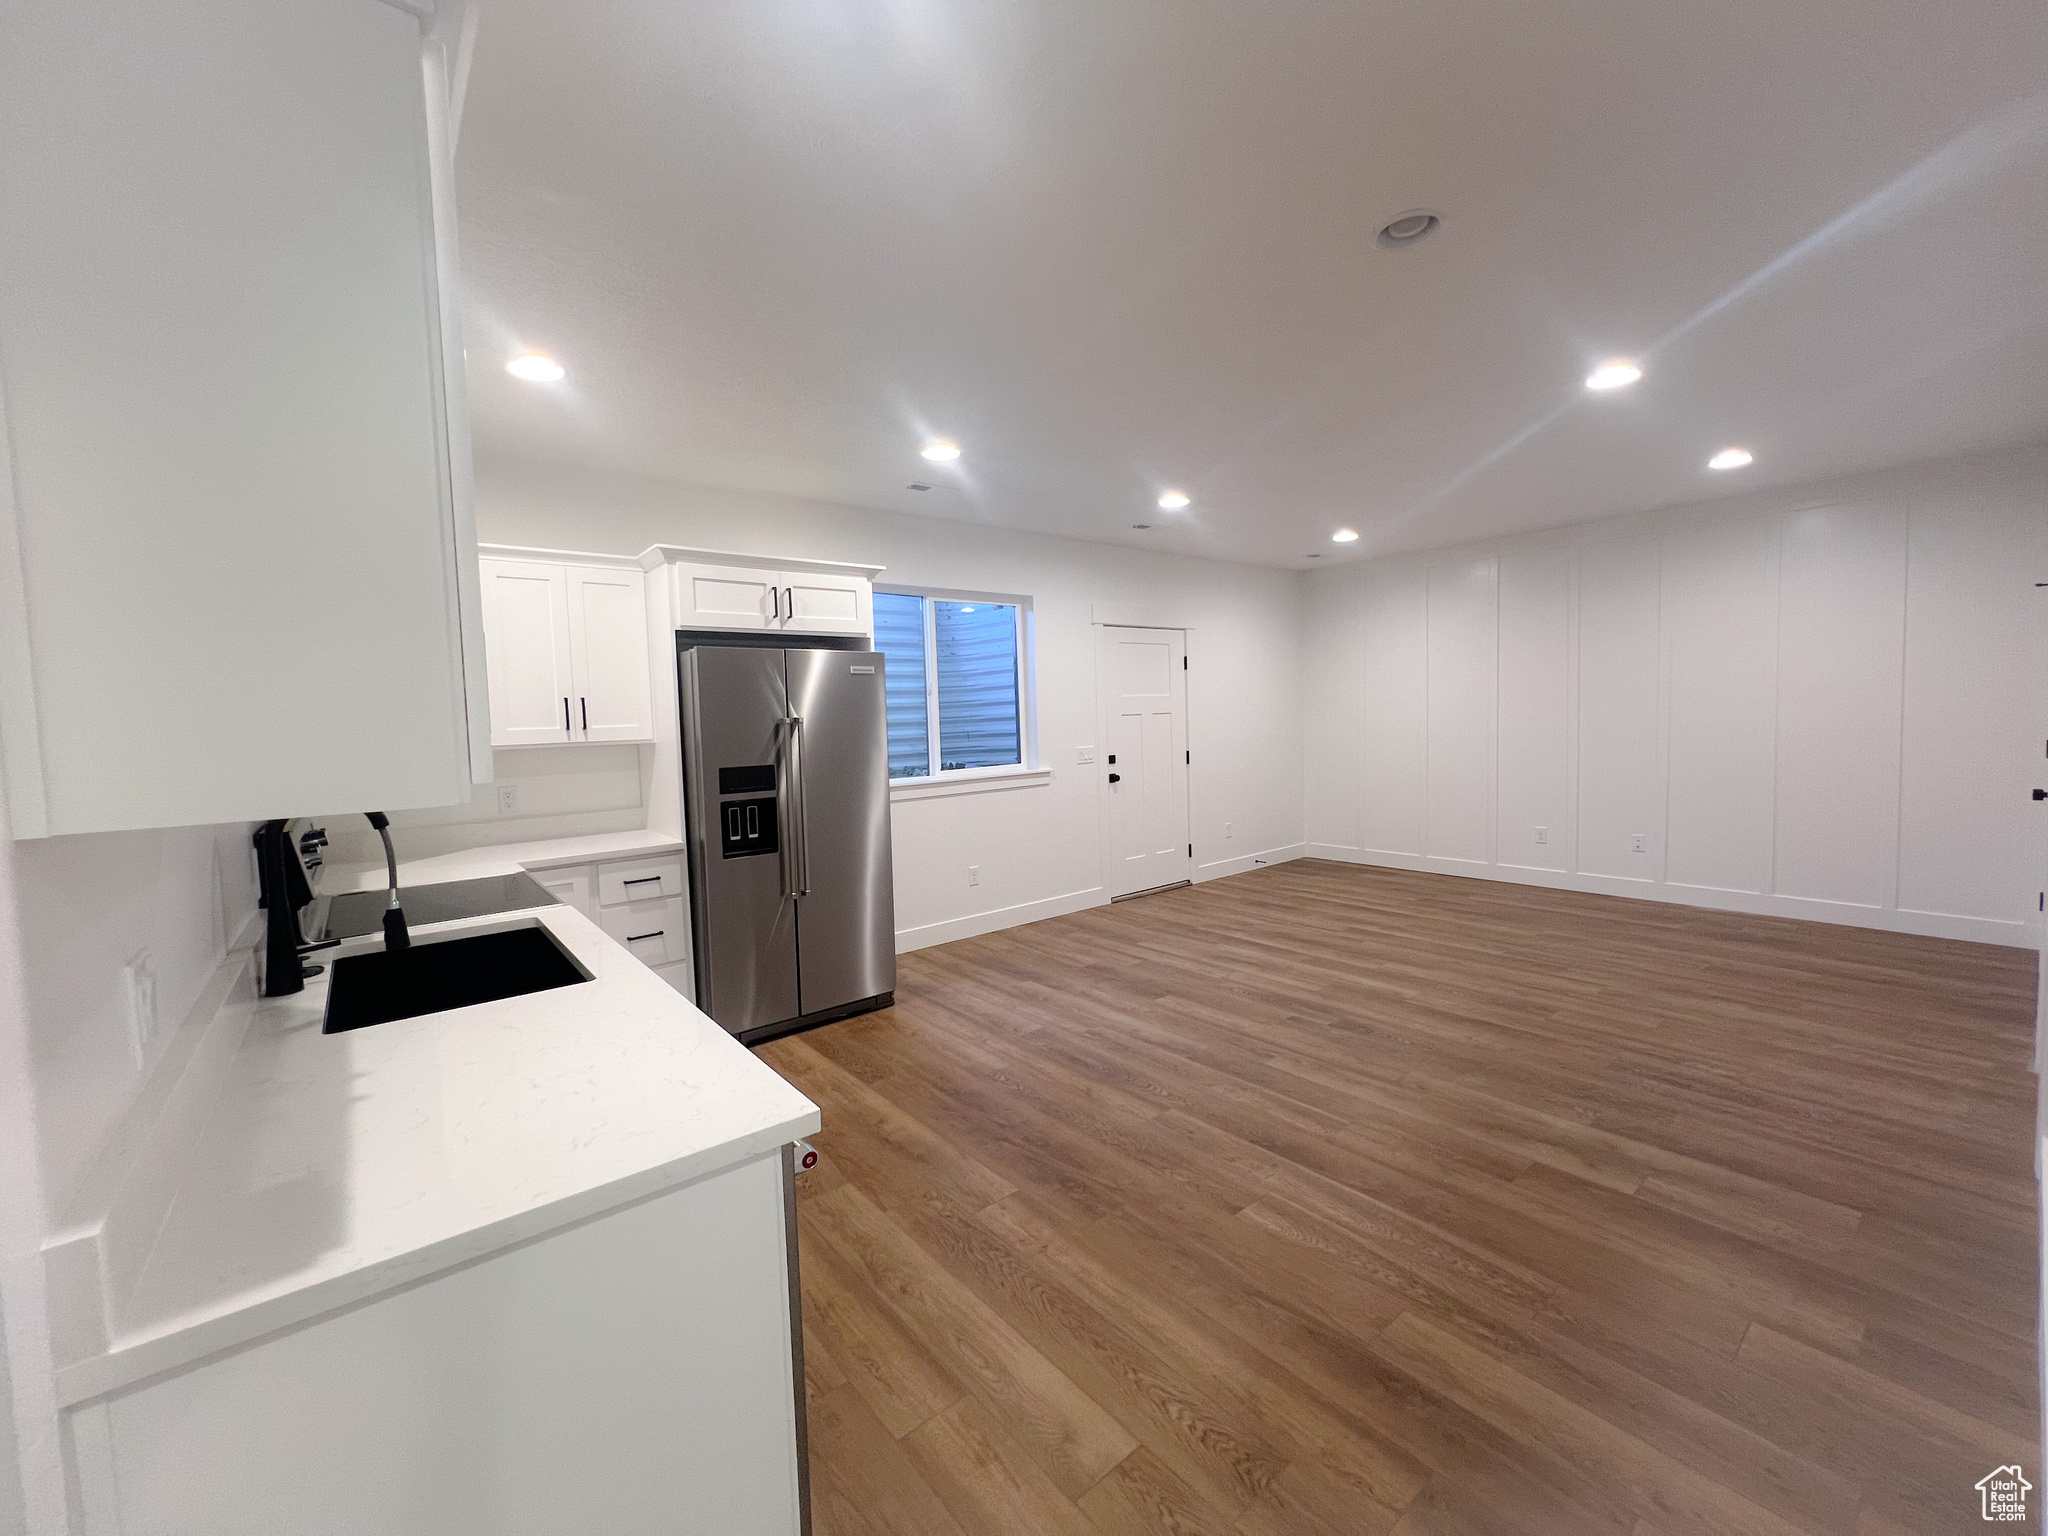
(1639, 843)
(974, 874)
(508, 799)
(1083, 756)
(140, 980)
(1542, 836)
(1227, 832)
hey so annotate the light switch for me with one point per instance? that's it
(1083, 756)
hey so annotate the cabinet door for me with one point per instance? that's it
(227, 419)
(727, 597)
(526, 641)
(608, 655)
(826, 605)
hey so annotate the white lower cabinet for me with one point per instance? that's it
(571, 887)
(655, 933)
(643, 902)
(640, 879)
(635, 1373)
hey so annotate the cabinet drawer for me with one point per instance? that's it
(571, 887)
(639, 880)
(654, 932)
(682, 977)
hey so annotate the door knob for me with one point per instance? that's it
(2041, 794)
(1116, 778)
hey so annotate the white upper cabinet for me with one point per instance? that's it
(727, 597)
(827, 603)
(568, 653)
(812, 600)
(526, 637)
(608, 654)
(237, 563)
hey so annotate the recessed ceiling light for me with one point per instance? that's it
(535, 368)
(941, 451)
(1731, 458)
(1616, 373)
(1408, 228)
(1344, 536)
(1173, 501)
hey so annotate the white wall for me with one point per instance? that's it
(1821, 702)
(1039, 847)
(88, 905)
(571, 790)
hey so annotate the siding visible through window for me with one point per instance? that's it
(977, 664)
(899, 636)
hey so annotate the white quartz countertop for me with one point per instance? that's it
(337, 1167)
(502, 859)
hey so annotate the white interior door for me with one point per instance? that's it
(608, 642)
(1144, 681)
(526, 644)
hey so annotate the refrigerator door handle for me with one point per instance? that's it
(786, 852)
(803, 820)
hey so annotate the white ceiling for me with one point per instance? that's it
(1116, 245)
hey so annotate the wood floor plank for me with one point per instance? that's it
(986, 1479)
(1142, 1496)
(1071, 1435)
(1340, 1199)
(866, 1471)
(1655, 1486)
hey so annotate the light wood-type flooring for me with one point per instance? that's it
(1330, 1199)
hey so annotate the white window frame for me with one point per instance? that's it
(947, 781)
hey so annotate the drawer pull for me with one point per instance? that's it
(635, 938)
(640, 880)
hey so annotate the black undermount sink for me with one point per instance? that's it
(438, 974)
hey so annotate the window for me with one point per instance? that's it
(955, 682)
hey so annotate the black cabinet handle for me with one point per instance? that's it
(640, 880)
(565, 717)
(2041, 794)
(1116, 778)
(586, 713)
(635, 938)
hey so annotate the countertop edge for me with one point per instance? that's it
(128, 1364)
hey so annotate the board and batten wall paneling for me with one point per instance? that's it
(1720, 609)
(1972, 702)
(1535, 755)
(1393, 727)
(1828, 701)
(1620, 804)
(1841, 642)
(1333, 718)
(1463, 657)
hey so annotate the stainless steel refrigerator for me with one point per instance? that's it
(786, 796)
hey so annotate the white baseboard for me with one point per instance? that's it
(1245, 863)
(1932, 925)
(977, 923)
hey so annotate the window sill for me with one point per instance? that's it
(967, 781)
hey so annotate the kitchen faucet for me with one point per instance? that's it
(395, 936)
